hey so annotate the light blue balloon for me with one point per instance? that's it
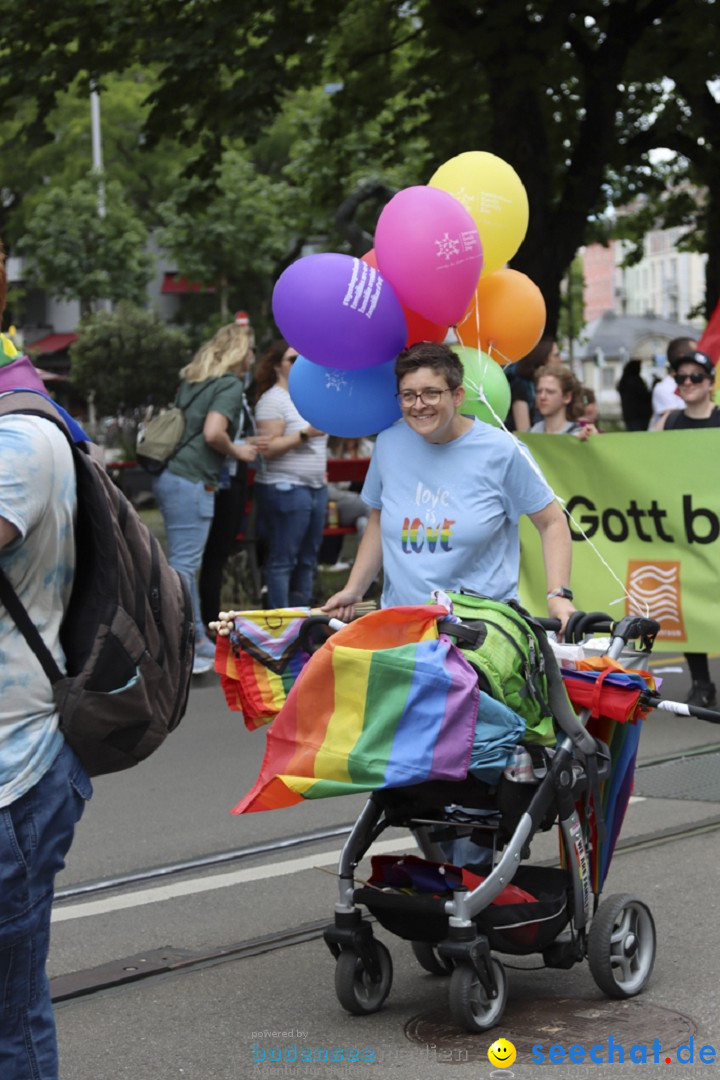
(349, 404)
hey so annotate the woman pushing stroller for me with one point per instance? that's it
(445, 493)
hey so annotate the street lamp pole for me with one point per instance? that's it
(97, 157)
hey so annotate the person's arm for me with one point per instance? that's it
(8, 532)
(556, 543)
(279, 443)
(215, 433)
(661, 422)
(365, 569)
(521, 415)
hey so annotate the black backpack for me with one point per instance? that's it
(128, 633)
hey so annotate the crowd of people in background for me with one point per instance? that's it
(240, 415)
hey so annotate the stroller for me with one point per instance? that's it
(455, 918)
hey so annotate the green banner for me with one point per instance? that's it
(644, 512)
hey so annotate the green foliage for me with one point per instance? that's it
(331, 98)
(571, 322)
(231, 236)
(77, 254)
(127, 358)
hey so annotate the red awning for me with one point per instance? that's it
(52, 343)
(174, 283)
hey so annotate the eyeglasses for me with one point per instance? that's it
(693, 377)
(429, 396)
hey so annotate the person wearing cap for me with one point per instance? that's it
(694, 376)
(664, 392)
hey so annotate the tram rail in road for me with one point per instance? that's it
(172, 960)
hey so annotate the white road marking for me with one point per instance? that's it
(193, 886)
(208, 884)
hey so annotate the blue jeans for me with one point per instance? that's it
(187, 510)
(293, 518)
(35, 834)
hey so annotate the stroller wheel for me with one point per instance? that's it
(430, 959)
(470, 1005)
(356, 990)
(621, 946)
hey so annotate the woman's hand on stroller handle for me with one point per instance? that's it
(341, 605)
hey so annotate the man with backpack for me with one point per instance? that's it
(43, 784)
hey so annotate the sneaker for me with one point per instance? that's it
(334, 568)
(201, 665)
(702, 695)
(205, 648)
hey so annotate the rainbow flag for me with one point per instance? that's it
(613, 694)
(622, 740)
(260, 661)
(385, 702)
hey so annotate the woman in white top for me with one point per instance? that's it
(559, 400)
(290, 484)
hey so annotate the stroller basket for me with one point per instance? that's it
(518, 929)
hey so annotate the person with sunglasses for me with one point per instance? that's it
(694, 376)
(664, 391)
(446, 492)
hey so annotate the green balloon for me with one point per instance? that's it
(482, 373)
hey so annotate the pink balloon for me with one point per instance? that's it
(429, 249)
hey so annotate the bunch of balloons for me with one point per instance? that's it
(437, 263)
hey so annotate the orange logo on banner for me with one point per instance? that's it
(654, 590)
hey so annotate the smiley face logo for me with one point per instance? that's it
(502, 1054)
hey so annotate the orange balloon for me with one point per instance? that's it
(507, 317)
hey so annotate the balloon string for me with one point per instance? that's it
(478, 389)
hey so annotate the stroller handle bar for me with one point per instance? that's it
(580, 625)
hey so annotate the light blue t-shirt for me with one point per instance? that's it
(38, 496)
(450, 511)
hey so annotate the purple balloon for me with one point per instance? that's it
(339, 312)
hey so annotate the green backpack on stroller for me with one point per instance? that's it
(509, 661)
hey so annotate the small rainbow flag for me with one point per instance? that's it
(260, 661)
(385, 702)
(613, 694)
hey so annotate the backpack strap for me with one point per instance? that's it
(671, 419)
(17, 612)
(32, 403)
(182, 409)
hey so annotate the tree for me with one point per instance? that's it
(78, 254)
(28, 167)
(232, 235)
(127, 358)
(556, 91)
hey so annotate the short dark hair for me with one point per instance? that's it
(680, 346)
(440, 358)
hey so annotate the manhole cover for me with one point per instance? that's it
(696, 778)
(566, 1021)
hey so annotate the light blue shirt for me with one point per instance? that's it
(37, 496)
(450, 511)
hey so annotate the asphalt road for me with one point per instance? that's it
(198, 1022)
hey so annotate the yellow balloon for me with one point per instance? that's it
(493, 194)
